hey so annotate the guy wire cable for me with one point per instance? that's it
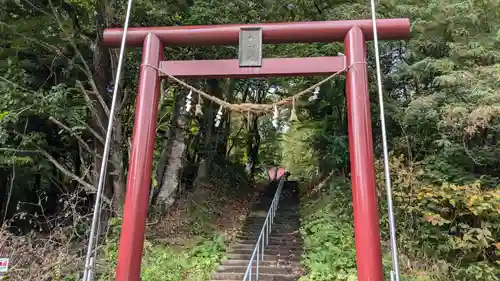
(387, 172)
(93, 238)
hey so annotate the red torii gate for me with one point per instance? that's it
(354, 33)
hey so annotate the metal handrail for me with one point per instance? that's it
(263, 239)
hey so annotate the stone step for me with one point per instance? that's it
(275, 225)
(274, 252)
(297, 245)
(271, 241)
(280, 229)
(265, 278)
(274, 222)
(274, 236)
(262, 276)
(279, 214)
(286, 198)
(262, 269)
(275, 230)
(283, 205)
(277, 246)
(294, 247)
(261, 219)
(284, 209)
(244, 262)
(251, 220)
(283, 199)
(267, 257)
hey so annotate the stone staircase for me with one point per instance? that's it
(282, 254)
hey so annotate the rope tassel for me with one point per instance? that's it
(293, 114)
(198, 111)
(275, 117)
(248, 120)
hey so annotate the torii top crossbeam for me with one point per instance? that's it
(353, 33)
(273, 33)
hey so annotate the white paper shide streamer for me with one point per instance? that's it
(218, 117)
(315, 94)
(188, 101)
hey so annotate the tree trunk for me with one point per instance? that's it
(104, 64)
(253, 144)
(173, 152)
(7, 178)
(253, 137)
(117, 169)
(208, 134)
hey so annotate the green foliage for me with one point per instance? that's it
(454, 225)
(445, 110)
(195, 260)
(192, 263)
(318, 143)
(298, 156)
(328, 235)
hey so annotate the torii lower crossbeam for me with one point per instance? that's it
(270, 68)
(353, 33)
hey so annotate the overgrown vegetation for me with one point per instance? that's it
(449, 230)
(328, 233)
(429, 244)
(194, 260)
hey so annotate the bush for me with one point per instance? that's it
(448, 229)
(327, 230)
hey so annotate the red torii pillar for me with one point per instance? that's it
(354, 33)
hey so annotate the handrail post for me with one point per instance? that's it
(263, 245)
(257, 267)
(267, 236)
